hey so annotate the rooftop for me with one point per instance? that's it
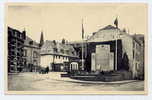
(108, 27)
(30, 42)
(56, 48)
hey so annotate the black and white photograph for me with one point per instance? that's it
(76, 48)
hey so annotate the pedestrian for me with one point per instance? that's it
(47, 69)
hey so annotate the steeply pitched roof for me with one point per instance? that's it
(49, 47)
(30, 42)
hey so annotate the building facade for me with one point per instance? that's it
(15, 50)
(138, 55)
(118, 51)
(55, 54)
(31, 55)
(78, 45)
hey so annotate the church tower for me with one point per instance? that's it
(41, 40)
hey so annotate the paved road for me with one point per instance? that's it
(53, 82)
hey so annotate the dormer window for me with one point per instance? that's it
(94, 33)
(35, 54)
(55, 49)
(31, 42)
(62, 51)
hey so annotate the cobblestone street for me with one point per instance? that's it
(53, 82)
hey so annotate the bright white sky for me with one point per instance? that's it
(64, 20)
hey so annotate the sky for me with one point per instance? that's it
(64, 20)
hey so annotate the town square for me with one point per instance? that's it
(76, 47)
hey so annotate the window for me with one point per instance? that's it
(55, 49)
(30, 42)
(25, 53)
(67, 51)
(73, 53)
(35, 54)
(133, 53)
(49, 50)
(25, 62)
(62, 51)
(136, 66)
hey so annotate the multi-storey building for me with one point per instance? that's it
(138, 55)
(15, 50)
(118, 51)
(55, 54)
(31, 55)
(112, 49)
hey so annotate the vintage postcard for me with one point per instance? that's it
(76, 48)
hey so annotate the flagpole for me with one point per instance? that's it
(82, 54)
(116, 53)
(116, 44)
(82, 44)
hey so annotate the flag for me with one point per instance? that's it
(116, 22)
(82, 30)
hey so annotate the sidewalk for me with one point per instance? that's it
(98, 82)
(67, 79)
(57, 77)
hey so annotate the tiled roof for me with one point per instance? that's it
(49, 47)
(30, 42)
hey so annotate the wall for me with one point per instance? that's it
(138, 60)
(91, 46)
(127, 47)
(30, 58)
(93, 64)
(15, 49)
(102, 58)
(47, 60)
(127, 44)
